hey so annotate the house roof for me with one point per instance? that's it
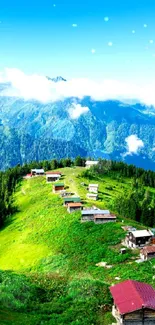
(103, 216)
(148, 249)
(95, 212)
(130, 296)
(37, 170)
(58, 184)
(72, 199)
(29, 175)
(91, 162)
(141, 233)
(93, 185)
(76, 204)
(53, 173)
(92, 194)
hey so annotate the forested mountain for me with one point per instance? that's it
(32, 130)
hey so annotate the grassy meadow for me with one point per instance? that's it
(48, 257)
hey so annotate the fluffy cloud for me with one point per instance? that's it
(134, 144)
(76, 110)
(40, 88)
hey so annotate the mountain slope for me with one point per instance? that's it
(101, 131)
(49, 257)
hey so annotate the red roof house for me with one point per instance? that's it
(74, 206)
(133, 302)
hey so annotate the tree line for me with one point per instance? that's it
(10, 178)
(139, 202)
(121, 169)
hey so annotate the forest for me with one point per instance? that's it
(138, 204)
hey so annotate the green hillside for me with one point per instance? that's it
(48, 257)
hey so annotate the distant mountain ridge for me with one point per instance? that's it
(57, 79)
(32, 130)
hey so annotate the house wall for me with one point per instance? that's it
(73, 209)
(58, 189)
(151, 255)
(92, 198)
(133, 242)
(93, 189)
(138, 322)
(88, 218)
(98, 221)
(142, 241)
(141, 317)
(52, 179)
(147, 256)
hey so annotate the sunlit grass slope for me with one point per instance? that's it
(41, 227)
(58, 253)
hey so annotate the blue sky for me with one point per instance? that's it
(38, 37)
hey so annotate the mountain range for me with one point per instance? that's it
(31, 130)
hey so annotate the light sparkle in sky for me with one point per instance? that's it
(106, 19)
(42, 37)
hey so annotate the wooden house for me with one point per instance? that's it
(58, 187)
(97, 216)
(93, 188)
(52, 176)
(134, 303)
(72, 199)
(72, 207)
(104, 218)
(147, 253)
(138, 238)
(92, 196)
(90, 163)
(37, 172)
(64, 194)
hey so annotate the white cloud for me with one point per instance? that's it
(76, 110)
(74, 25)
(106, 19)
(134, 144)
(145, 25)
(40, 88)
(110, 44)
(133, 31)
(93, 51)
(151, 41)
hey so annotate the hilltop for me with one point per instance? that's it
(48, 257)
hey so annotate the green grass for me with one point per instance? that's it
(53, 253)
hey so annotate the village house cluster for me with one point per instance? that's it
(134, 302)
